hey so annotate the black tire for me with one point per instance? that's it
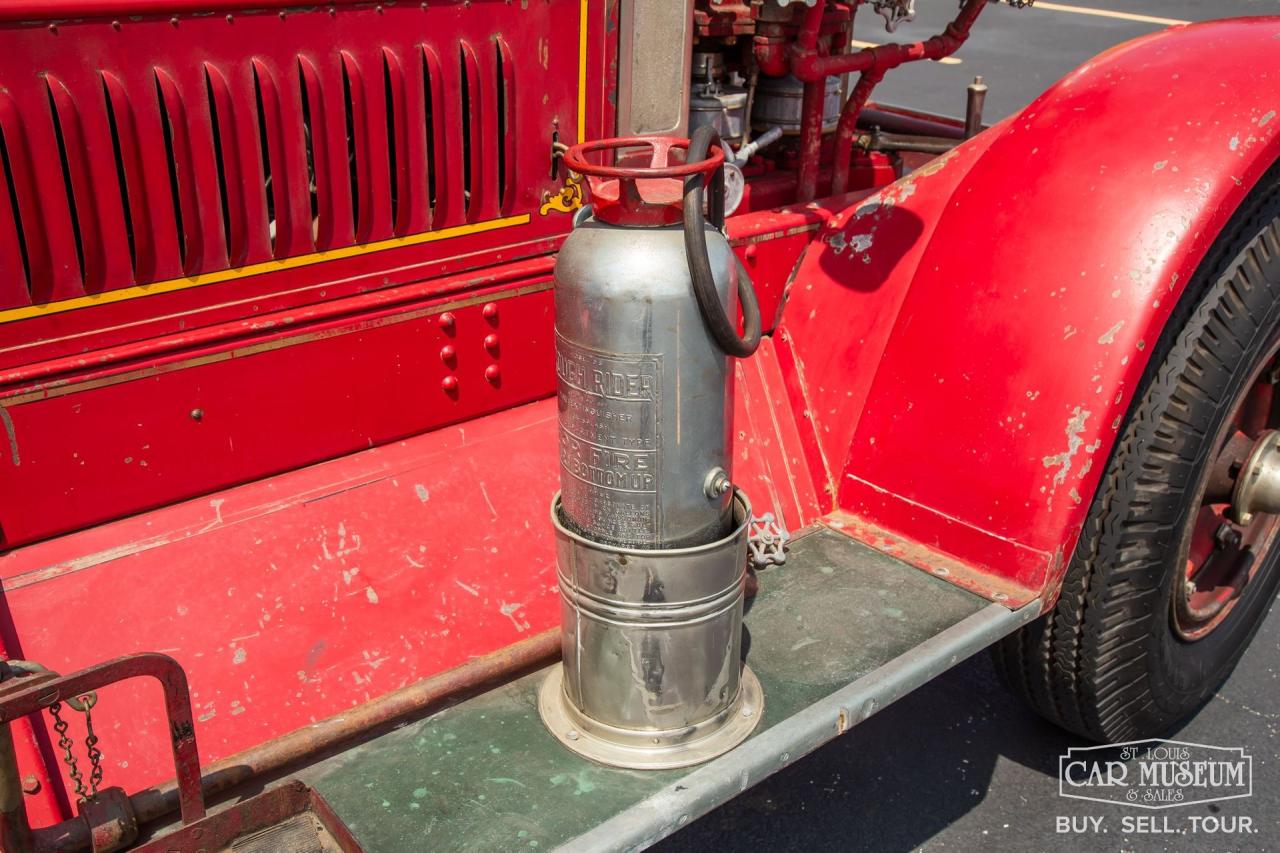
(1106, 662)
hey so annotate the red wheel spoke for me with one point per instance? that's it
(1202, 540)
(1255, 413)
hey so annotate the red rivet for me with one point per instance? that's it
(490, 311)
(751, 252)
(491, 343)
(449, 383)
(448, 354)
(493, 373)
(30, 784)
(446, 321)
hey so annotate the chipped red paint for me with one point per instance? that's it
(999, 306)
(943, 378)
(290, 599)
(327, 346)
(234, 410)
(108, 89)
(770, 242)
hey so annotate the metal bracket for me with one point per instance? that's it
(112, 823)
(767, 541)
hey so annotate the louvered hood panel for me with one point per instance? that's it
(168, 172)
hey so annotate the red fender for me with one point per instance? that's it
(999, 306)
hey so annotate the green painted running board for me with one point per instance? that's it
(836, 634)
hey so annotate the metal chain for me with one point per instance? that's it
(65, 743)
(91, 749)
(84, 704)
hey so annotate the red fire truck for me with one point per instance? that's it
(514, 424)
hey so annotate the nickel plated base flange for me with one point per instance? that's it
(650, 750)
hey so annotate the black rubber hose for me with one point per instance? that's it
(721, 326)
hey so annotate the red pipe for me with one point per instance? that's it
(848, 127)
(894, 119)
(809, 65)
(811, 106)
(811, 26)
(771, 57)
(811, 109)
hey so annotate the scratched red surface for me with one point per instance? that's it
(290, 599)
(976, 376)
(289, 388)
(998, 307)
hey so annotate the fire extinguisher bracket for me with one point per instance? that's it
(696, 699)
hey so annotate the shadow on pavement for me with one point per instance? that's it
(898, 779)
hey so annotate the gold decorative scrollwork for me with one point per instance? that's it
(569, 199)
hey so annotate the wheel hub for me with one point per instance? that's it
(1238, 516)
(1258, 484)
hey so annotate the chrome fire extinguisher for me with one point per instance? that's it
(651, 533)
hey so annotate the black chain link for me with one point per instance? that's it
(95, 754)
(84, 704)
(65, 743)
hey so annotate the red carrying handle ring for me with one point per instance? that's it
(660, 166)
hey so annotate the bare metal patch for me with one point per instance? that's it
(13, 436)
(1062, 461)
(1109, 335)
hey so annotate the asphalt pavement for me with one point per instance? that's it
(961, 764)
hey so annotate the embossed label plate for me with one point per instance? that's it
(610, 442)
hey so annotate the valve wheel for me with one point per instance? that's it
(661, 164)
(1177, 565)
(649, 195)
(1224, 549)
